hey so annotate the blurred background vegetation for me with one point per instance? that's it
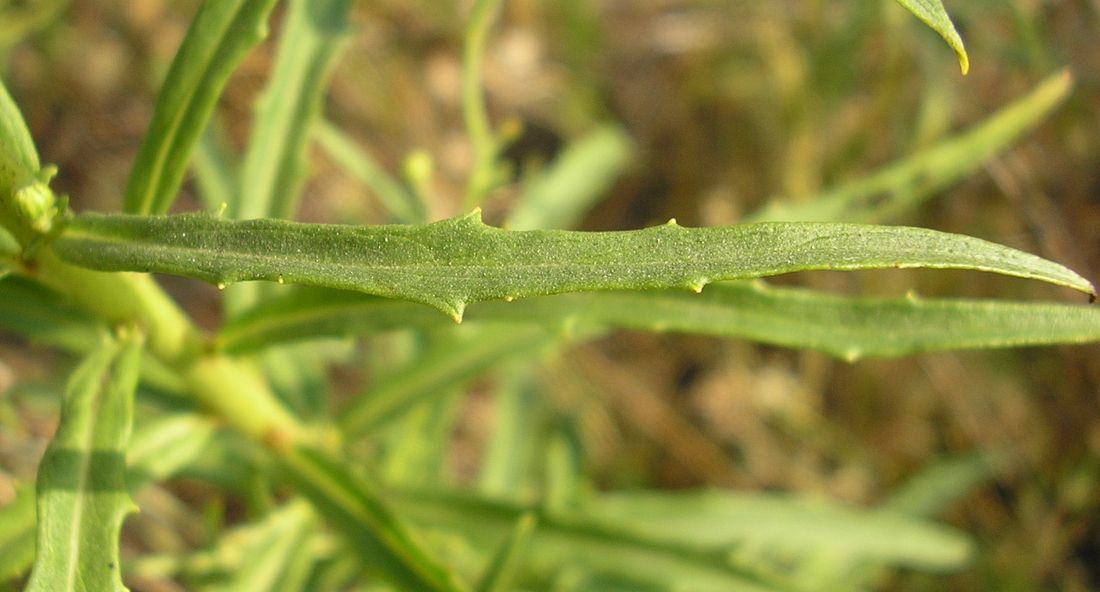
(727, 104)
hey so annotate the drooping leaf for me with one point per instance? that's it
(82, 495)
(903, 185)
(933, 14)
(450, 263)
(222, 33)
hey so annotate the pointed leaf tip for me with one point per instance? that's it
(933, 14)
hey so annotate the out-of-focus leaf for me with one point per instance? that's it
(17, 522)
(273, 171)
(451, 263)
(903, 185)
(81, 492)
(164, 446)
(43, 316)
(941, 483)
(615, 548)
(222, 33)
(933, 14)
(401, 204)
(560, 195)
(451, 364)
(270, 555)
(503, 567)
(353, 506)
(843, 326)
(778, 524)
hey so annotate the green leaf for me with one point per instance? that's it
(772, 525)
(502, 569)
(452, 364)
(353, 506)
(272, 555)
(586, 169)
(27, 206)
(450, 263)
(222, 33)
(274, 165)
(842, 326)
(903, 185)
(82, 495)
(17, 522)
(43, 316)
(933, 14)
(609, 547)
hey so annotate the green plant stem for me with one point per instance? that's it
(474, 113)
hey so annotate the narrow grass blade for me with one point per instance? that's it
(401, 204)
(439, 370)
(353, 506)
(82, 495)
(560, 195)
(450, 263)
(222, 33)
(933, 14)
(903, 185)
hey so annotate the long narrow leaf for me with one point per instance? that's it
(437, 371)
(842, 326)
(581, 543)
(902, 186)
(353, 506)
(450, 263)
(222, 33)
(933, 14)
(274, 164)
(82, 495)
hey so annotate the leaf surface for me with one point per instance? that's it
(843, 326)
(81, 491)
(222, 33)
(933, 14)
(450, 263)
